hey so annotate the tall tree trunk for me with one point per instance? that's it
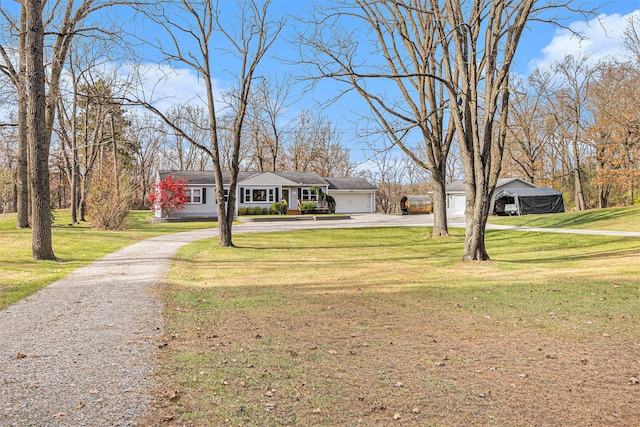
(82, 199)
(74, 186)
(578, 189)
(23, 151)
(116, 173)
(440, 226)
(476, 215)
(41, 246)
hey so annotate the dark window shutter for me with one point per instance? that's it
(204, 196)
(277, 195)
(241, 194)
(299, 193)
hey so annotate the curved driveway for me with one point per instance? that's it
(79, 352)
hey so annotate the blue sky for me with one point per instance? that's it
(541, 45)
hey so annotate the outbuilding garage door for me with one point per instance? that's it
(352, 202)
(456, 204)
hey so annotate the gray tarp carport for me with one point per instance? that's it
(524, 201)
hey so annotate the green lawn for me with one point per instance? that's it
(382, 326)
(618, 219)
(74, 246)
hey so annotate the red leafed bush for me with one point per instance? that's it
(169, 195)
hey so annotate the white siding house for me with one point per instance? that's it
(262, 189)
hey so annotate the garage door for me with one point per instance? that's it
(352, 202)
(456, 205)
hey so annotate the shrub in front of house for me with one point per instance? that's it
(278, 208)
(242, 211)
(257, 210)
(307, 207)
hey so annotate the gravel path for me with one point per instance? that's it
(78, 353)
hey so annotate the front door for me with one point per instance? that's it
(285, 195)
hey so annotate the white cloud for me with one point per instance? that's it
(602, 38)
(164, 86)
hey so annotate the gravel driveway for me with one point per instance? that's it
(79, 352)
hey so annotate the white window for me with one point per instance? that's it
(259, 195)
(309, 195)
(194, 195)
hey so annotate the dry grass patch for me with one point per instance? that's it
(387, 326)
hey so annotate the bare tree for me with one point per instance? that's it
(571, 99)
(16, 74)
(529, 133)
(388, 173)
(146, 140)
(314, 145)
(184, 155)
(478, 40)
(8, 158)
(63, 22)
(401, 79)
(265, 128)
(246, 41)
(41, 245)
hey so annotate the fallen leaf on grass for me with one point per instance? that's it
(633, 381)
(59, 414)
(80, 405)
(397, 417)
(20, 356)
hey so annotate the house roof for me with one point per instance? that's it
(349, 184)
(458, 186)
(203, 177)
(529, 192)
(300, 178)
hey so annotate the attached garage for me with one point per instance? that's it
(352, 195)
(352, 202)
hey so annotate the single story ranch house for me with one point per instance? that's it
(352, 195)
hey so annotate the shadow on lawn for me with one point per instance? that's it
(588, 218)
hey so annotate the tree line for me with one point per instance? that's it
(434, 76)
(574, 126)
